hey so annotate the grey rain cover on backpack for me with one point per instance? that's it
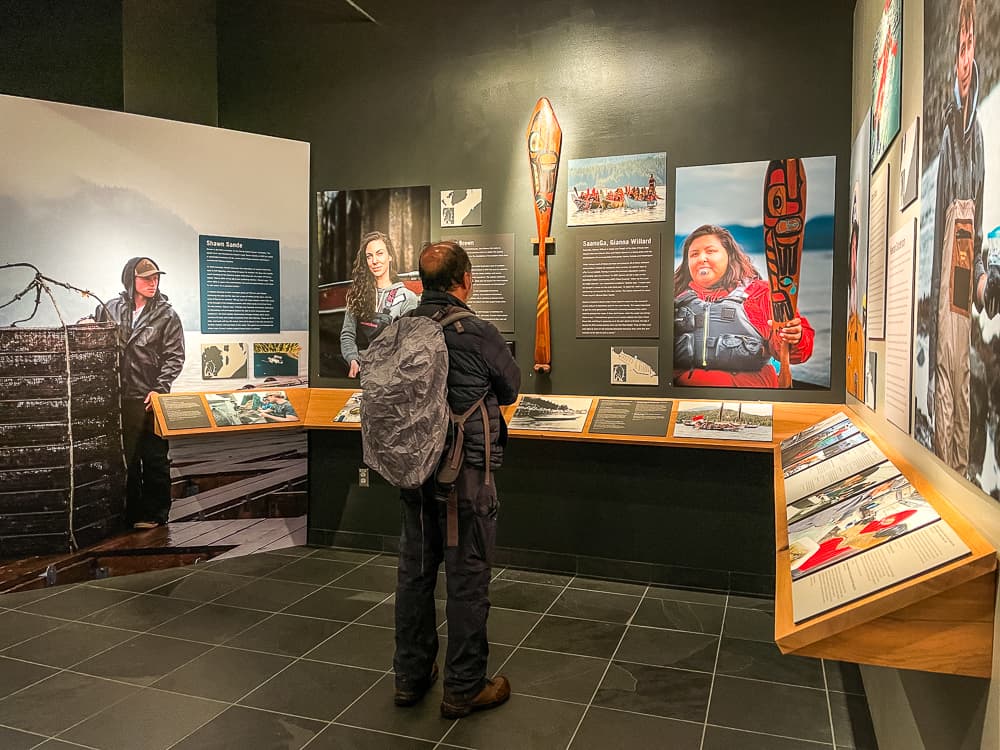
(404, 407)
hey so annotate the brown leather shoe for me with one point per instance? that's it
(494, 693)
(411, 696)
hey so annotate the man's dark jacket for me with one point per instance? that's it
(479, 362)
(152, 353)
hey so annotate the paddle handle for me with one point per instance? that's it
(543, 334)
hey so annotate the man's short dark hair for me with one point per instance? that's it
(443, 266)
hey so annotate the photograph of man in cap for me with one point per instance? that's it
(152, 355)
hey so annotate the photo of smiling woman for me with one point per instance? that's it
(376, 298)
(723, 334)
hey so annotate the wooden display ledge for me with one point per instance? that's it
(941, 621)
(789, 419)
(298, 397)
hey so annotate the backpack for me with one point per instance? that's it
(405, 415)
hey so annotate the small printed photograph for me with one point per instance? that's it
(866, 521)
(462, 208)
(626, 189)
(635, 365)
(551, 413)
(816, 440)
(351, 411)
(839, 445)
(790, 442)
(718, 420)
(909, 165)
(279, 358)
(222, 361)
(887, 73)
(868, 479)
(250, 407)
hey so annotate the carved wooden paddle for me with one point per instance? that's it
(544, 144)
(784, 229)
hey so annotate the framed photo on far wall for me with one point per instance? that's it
(887, 75)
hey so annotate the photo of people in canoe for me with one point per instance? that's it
(617, 189)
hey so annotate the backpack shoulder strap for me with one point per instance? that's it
(451, 314)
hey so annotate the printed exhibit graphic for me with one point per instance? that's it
(639, 417)
(718, 420)
(462, 208)
(240, 285)
(492, 257)
(635, 365)
(617, 189)
(899, 326)
(857, 301)
(909, 165)
(957, 345)
(551, 413)
(878, 242)
(276, 358)
(618, 287)
(887, 75)
(223, 361)
(183, 411)
(873, 478)
(350, 411)
(250, 407)
(721, 272)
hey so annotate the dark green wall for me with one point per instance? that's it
(440, 93)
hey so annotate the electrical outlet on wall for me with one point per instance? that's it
(362, 477)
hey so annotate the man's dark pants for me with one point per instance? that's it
(467, 567)
(148, 489)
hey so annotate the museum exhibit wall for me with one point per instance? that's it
(918, 710)
(440, 95)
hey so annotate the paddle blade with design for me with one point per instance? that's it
(784, 229)
(544, 145)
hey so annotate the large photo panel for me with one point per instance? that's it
(721, 272)
(215, 223)
(958, 266)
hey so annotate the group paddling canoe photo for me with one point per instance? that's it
(627, 189)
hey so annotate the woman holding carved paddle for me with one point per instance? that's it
(377, 297)
(724, 334)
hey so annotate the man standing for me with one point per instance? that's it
(480, 366)
(152, 354)
(958, 276)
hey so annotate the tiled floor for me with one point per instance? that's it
(293, 649)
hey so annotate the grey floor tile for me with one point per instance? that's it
(722, 738)
(752, 624)
(249, 565)
(765, 604)
(531, 576)
(69, 644)
(677, 615)
(312, 570)
(15, 675)
(529, 597)
(267, 594)
(766, 707)
(312, 689)
(544, 674)
(202, 586)
(607, 729)
(336, 603)
(142, 660)
(694, 596)
(593, 605)
(223, 674)
(763, 661)
(20, 626)
(570, 636)
(843, 677)
(523, 722)
(611, 587)
(211, 623)
(370, 578)
(345, 555)
(59, 702)
(358, 646)
(300, 551)
(239, 727)
(76, 602)
(142, 612)
(18, 599)
(375, 710)
(852, 722)
(660, 691)
(14, 739)
(148, 719)
(337, 737)
(143, 582)
(509, 626)
(289, 635)
(669, 648)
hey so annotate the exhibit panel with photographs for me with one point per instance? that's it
(857, 305)
(862, 531)
(718, 420)
(250, 408)
(887, 77)
(369, 248)
(551, 413)
(123, 192)
(957, 343)
(616, 189)
(721, 276)
(638, 417)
